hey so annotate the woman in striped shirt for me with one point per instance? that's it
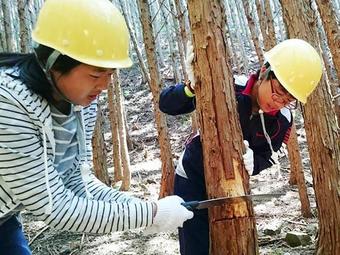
(47, 116)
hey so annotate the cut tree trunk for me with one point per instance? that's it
(232, 228)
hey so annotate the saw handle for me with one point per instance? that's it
(191, 205)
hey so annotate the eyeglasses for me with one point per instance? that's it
(284, 99)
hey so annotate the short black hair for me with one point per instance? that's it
(30, 68)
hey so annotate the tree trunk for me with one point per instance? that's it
(112, 105)
(240, 41)
(124, 154)
(263, 25)
(8, 26)
(331, 27)
(99, 151)
(135, 45)
(252, 27)
(322, 135)
(167, 181)
(232, 228)
(25, 42)
(270, 24)
(180, 37)
(297, 169)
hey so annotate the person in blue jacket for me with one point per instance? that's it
(264, 103)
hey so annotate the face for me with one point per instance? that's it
(272, 96)
(83, 83)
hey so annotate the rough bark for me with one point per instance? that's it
(8, 26)
(331, 27)
(263, 25)
(155, 84)
(322, 135)
(270, 24)
(232, 228)
(177, 17)
(112, 105)
(124, 154)
(297, 169)
(99, 151)
(25, 42)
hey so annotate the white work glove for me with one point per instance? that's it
(170, 215)
(248, 158)
(274, 159)
(189, 57)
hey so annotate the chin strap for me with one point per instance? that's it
(274, 157)
(47, 70)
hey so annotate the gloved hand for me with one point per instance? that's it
(189, 57)
(248, 158)
(170, 215)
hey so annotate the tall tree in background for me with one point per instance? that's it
(331, 27)
(112, 106)
(232, 227)
(155, 85)
(251, 23)
(25, 41)
(297, 174)
(8, 35)
(322, 135)
(124, 154)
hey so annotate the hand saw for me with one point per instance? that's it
(197, 205)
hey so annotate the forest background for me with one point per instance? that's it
(136, 146)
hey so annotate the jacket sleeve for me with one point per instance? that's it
(174, 101)
(24, 168)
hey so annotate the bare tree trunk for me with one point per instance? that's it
(232, 228)
(25, 42)
(99, 151)
(3, 43)
(124, 154)
(177, 20)
(166, 156)
(322, 135)
(170, 36)
(263, 25)
(270, 24)
(331, 27)
(8, 26)
(144, 71)
(297, 169)
(240, 40)
(252, 27)
(112, 105)
(332, 30)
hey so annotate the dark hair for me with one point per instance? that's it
(30, 71)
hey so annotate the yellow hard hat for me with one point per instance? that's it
(297, 66)
(91, 31)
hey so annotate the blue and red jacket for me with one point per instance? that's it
(174, 101)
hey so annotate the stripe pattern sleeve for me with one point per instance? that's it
(22, 182)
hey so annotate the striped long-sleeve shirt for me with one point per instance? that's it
(29, 179)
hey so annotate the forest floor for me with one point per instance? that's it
(281, 214)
